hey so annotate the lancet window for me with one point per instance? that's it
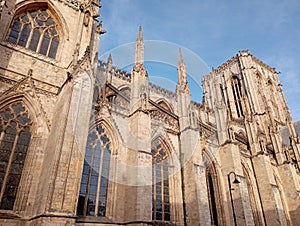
(214, 200)
(160, 184)
(95, 175)
(15, 137)
(35, 30)
(237, 94)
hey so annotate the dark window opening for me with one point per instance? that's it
(237, 95)
(95, 175)
(212, 199)
(14, 141)
(160, 184)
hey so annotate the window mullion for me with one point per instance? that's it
(99, 181)
(20, 32)
(9, 165)
(154, 189)
(49, 45)
(162, 191)
(29, 36)
(40, 41)
(88, 183)
(1, 136)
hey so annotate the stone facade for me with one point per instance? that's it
(85, 143)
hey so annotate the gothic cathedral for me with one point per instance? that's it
(85, 143)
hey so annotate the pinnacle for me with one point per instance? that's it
(180, 56)
(109, 59)
(140, 36)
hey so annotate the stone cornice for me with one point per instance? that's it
(115, 71)
(256, 60)
(225, 65)
(159, 90)
(71, 3)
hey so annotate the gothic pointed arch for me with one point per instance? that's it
(213, 189)
(121, 97)
(252, 191)
(272, 98)
(236, 88)
(111, 132)
(160, 150)
(30, 103)
(280, 201)
(95, 182)
(25, 89)
(38, 27)
(164, 104)
(17, 127)
(64, 28)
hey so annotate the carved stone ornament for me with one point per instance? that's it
(169, 122)
(140, 70)
(27, 85)
(2, 4)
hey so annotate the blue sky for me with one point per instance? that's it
(212, 30)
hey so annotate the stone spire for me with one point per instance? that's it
(109, 60)
(182, 81)
(109, 63)
(139, 48)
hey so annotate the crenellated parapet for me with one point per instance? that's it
(161, 91)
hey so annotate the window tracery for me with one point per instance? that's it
(95, 175)
(35, 30)
(237, 94)
(14, 142)
(160, 184)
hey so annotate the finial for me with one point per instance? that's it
(180, 56)
(139, 48)
(182, 81)
(140, 37)
(109, 59)
(181, 64)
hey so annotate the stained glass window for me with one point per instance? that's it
(36, 30)
(95, 175)
(160, 184)
(14, 141)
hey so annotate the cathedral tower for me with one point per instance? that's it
(250, 109)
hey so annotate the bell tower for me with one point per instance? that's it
(49, 53)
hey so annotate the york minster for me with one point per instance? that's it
(83, 142)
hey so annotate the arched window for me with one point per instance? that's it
(95, 175)
(253, 203)
(213, 191)
(237, 94)
(211, 196)
(165, 105)
(272, 96)
(160, 184)
(35, 30)
(14, 141)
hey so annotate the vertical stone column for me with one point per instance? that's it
(64, 154)
(266, 183)
(231, 162)
(202, 195)
(141, 173)
(291, 189)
